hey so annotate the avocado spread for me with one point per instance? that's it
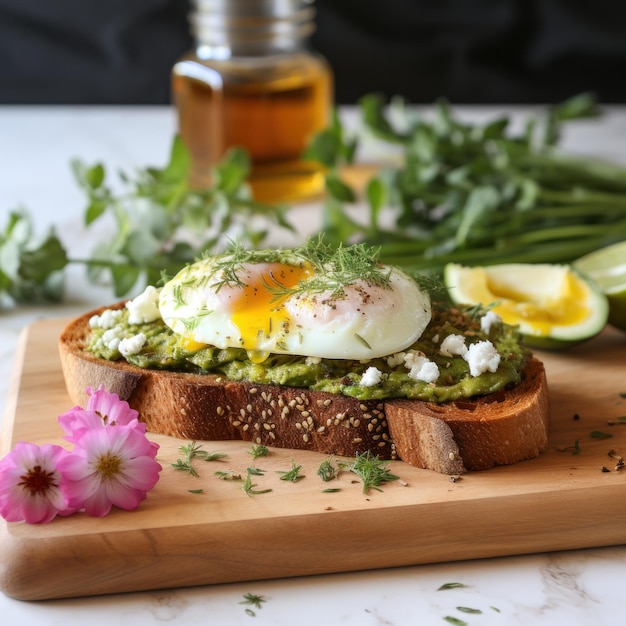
(162, 349)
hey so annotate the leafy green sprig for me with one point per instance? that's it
(479, 193)
(372, 470)
(194, 451)
(293, 475)
(31, 266)
(164, 223)
(159, 222)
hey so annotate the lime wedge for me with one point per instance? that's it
(554, 306)
(607, 267)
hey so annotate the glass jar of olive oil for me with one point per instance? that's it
(251, 81)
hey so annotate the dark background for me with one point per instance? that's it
(469, 51)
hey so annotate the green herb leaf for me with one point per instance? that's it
(31, 265)
(597, 434)
(575, 449)
(255, 600)
(258, 451)
(466, 609)
(454, 620)
(453, 585)
(327, 470)
(293, 474)
(249, 487)
(372, 471)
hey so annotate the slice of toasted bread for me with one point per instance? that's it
(501, 428)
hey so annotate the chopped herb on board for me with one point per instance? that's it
(258, 451)
(230, 475)
(194, 451)
(575, 449)
(327, 470)
(598, 434)
(250, 488)
(293, 474)
(372, 471)
(455, 621)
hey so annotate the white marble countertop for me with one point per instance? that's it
(564, 588)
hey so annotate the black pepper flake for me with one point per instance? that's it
(604, 468)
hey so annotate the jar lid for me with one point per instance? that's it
(252, 27)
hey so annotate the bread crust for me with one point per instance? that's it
(452, 438)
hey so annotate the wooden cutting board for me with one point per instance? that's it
(177, 538)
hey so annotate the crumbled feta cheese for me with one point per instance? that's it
(436, 338)
(412, 358)
(424, 369)
(371, 377)
(145, 307)
(111, 338)
(488, 320)
(482, 356)
(393, 360)
(312, 360)
(132, 345)
(453, 345)
(107, 319)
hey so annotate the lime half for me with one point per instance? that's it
(607, 267)
(554, 306)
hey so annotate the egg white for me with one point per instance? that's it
(365, 321)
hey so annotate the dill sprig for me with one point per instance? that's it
(254, 600)
(194, 451)
(327, 470)
(333, 268)
(229, 265)
(293, 474)
(372, 471)
(249, 487)
(258, 450)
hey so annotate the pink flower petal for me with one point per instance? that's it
(113, 410)
(30, 484)
(110, 466)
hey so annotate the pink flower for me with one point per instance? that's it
(30, 484)
(113, 466)
(103, 409)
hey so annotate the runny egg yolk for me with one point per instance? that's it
(258, 310)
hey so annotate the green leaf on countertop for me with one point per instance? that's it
(31, 266)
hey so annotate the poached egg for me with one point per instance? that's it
(289, 304)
